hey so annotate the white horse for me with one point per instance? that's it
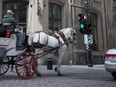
(41, 39)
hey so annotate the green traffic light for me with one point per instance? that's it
(81, 25)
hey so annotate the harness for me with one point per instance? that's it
(60, 34)
(38, 44)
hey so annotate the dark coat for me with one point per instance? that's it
(9, 19)
(2, 30)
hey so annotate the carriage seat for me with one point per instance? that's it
(9, 32)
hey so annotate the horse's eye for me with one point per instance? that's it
(74, 34)
(68, 38)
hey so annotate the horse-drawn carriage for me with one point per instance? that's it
(10, 56)
(25, 60)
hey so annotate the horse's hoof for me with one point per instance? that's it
(55, 69)
(59, 74)
(38, 74)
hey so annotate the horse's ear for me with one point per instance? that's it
(73, 28)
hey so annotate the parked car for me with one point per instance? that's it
(110, 62)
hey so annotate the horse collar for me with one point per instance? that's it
(62, 36)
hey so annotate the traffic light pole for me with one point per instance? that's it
(89, 50)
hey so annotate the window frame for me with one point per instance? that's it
(22, 20)
(55, 21)
(93, 19)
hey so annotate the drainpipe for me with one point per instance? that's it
(106, 26)
(70, 12)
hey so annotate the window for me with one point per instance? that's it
(54, 17)
(20, 10)
(93, 18)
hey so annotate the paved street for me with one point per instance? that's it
(73, 76)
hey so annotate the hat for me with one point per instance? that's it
(9, 12)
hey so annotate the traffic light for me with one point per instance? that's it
(87, 26)
(81, 25)
(84, 24)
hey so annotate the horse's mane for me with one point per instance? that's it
(52, 34)
(66, 28)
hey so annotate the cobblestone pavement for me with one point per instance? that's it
(73, 76)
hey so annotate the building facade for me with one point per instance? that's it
(53, 15)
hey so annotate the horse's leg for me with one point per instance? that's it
(61, 52)
(40, 51)
(36, 70)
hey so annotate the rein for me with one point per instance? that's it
(46, 52)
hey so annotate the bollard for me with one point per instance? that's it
(49, 64)
(90, 63)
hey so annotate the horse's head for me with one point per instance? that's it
(70, 34)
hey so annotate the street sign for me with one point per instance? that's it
(88, 39)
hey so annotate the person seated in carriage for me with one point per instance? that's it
(10, 24)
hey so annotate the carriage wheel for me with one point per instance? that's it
(25, 65)
(4, 66)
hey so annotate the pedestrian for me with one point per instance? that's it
(10, 24)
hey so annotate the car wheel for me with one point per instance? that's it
(114, 75)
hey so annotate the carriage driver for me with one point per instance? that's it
(10, 24)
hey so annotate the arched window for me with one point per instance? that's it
(93, 18)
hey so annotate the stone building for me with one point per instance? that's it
(52, 15)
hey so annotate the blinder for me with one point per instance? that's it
(73, 37)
